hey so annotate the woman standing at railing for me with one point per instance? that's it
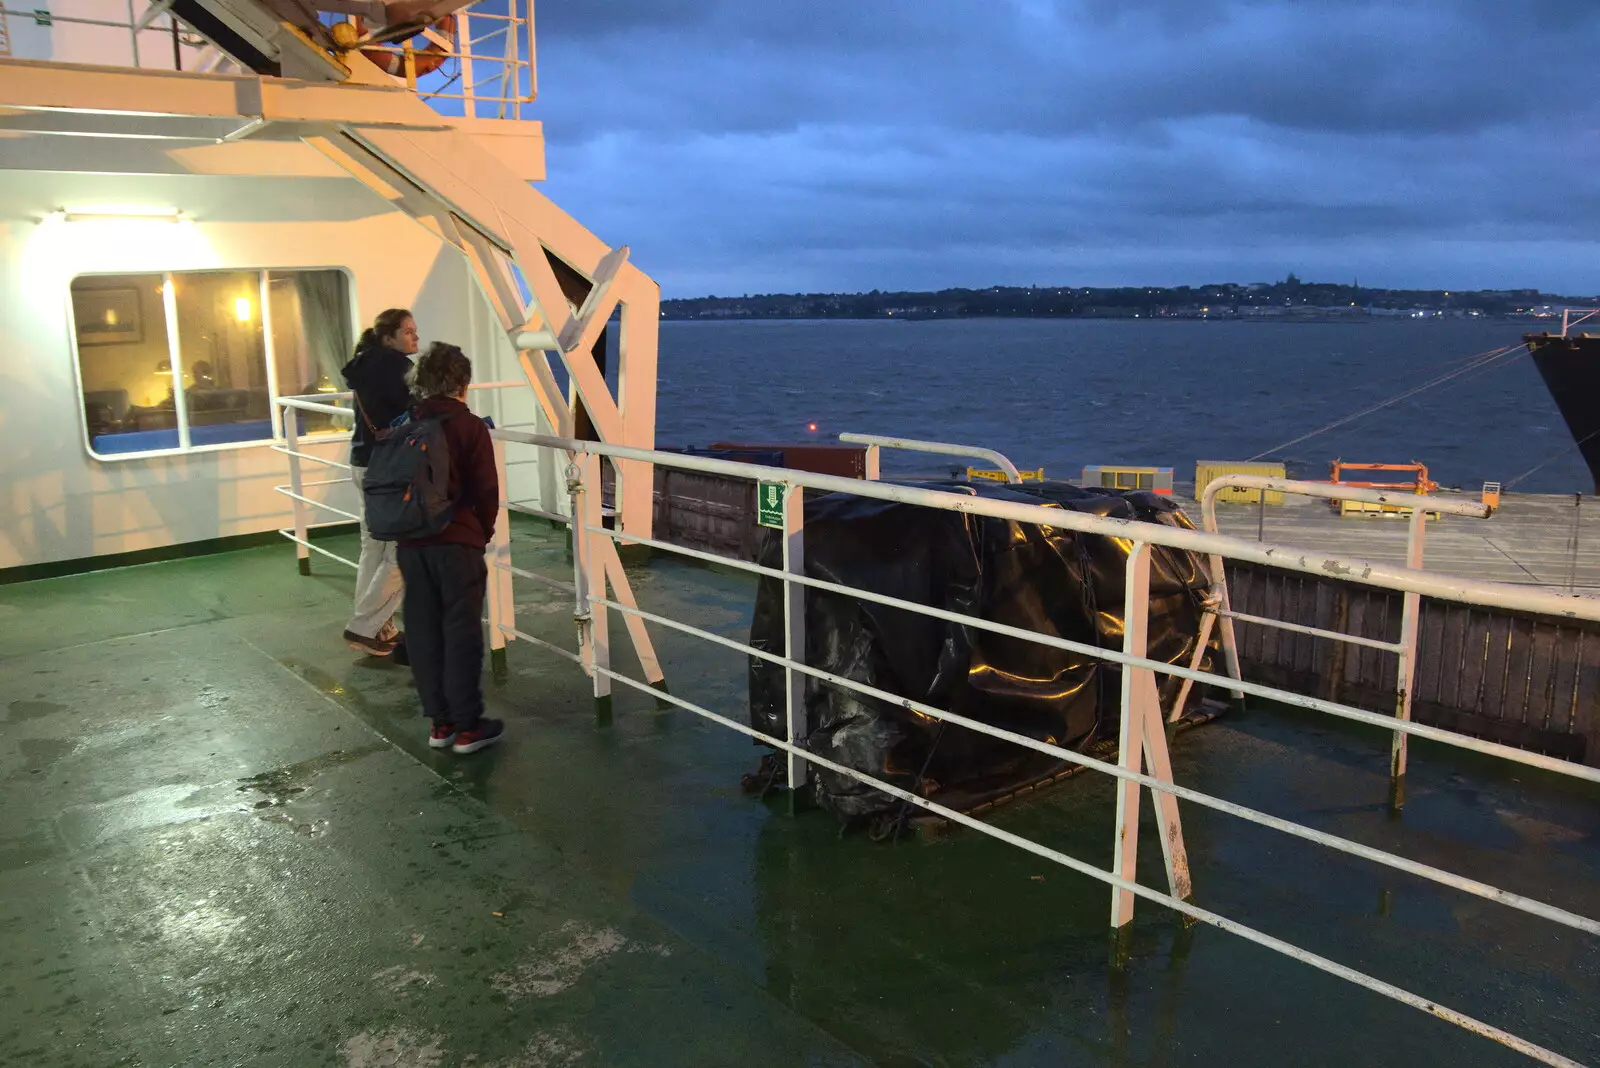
(377, 377)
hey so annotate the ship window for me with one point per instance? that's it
(311, 339)
(197, 360)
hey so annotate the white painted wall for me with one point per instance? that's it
(79, 42)
(56, 501)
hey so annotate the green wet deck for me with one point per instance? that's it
(229, 844)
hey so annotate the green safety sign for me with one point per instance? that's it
(769, 504)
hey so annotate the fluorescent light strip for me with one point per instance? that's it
(136, 216)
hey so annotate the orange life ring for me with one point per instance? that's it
(429, 58)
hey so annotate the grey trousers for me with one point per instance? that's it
(378, 583)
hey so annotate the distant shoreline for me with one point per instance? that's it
(1278, 320)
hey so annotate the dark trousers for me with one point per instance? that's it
(445, 587)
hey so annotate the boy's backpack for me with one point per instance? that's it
(406, 488)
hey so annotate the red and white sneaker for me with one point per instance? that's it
(442, 736)
(485, 733)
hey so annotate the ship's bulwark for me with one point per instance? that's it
(1570, 367)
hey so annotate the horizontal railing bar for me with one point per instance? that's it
(1116, 656)
(1343, 845)
(308, 456)
(109, 24)
(318, 549)
(300, 400)
(317, 402)
(938, 448)
(564, 587)
(1338, 636)
(317, 504)
(1307, 561)
(461, 95)
(304, 405)
(569, 654)
(1416, 502)
(1250, 934)
(322, 482)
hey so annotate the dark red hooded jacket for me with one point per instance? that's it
(474, 484)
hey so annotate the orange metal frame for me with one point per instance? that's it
(1422, 483)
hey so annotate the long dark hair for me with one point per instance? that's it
(442, 371)
(384, 327)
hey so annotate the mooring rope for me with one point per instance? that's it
(1552, 458)
(1476, 362)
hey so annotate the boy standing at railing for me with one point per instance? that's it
(446, 577)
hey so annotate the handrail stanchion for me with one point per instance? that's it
(874, 463)
(580, 575)
(1125, 854)
(593, 582)
(291, 437)
(1141, 744)
(1230, 637)
(502, 603)
(1410, 618)
(794, 635)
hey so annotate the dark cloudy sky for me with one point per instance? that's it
(744, 147)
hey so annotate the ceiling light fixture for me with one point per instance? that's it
(164, 215)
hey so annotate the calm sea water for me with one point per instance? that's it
(1061, 393)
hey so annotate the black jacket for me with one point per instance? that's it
(474, 481)
(377, 374)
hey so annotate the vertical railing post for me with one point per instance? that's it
(1135, 619)
(580, 565)
(1410, 611)
(1142, 744)
(1577, 536)
(502, 603)
(1224, 610)
(794, 634)
(291, 440)
(583, 525)
(874, 463)
(469, 83)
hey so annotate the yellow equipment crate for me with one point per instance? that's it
(1000, 476)
(1128, 477)
(1207, 470)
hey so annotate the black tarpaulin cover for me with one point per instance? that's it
(1055, 581)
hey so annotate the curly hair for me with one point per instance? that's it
(442, 371)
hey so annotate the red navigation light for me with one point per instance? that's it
(811, 427)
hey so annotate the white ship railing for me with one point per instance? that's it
(1220, 611)
(1583, 314)
(876, 442)
(499, 604)
(1142, 757)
